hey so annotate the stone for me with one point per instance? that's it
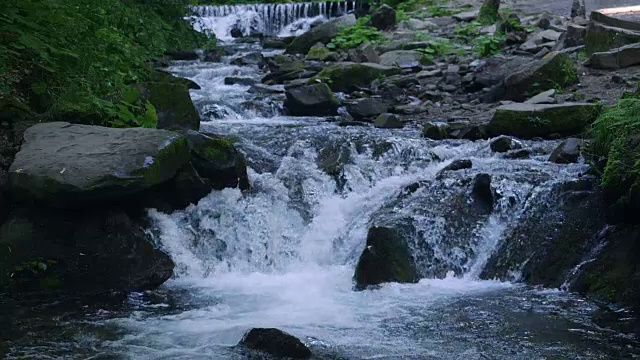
(404, 59)
(185, 188)
(276, 343)
(482, 193)
(113, 163)
(493, 70)
(601, 38)
(318, 52)
(177, 54)
(236, 33)
(385, 258)
(567, 152)
(218, 161)
(323, 33)
(503, 144)
(276, 43)
(248, 59)
(388, 121)
(456, 165)
(232, 80)
(518, 154)
(214, 55)
(311, 100)
(578, 8)
(172, 101)
(345, 76)
(552, 71)
(616, 58)
(416, 25)
(546, 97)
(467, 16)
(367, 108)
(528, 121)
(266, 89)
(428, 74)
(85, 251)
(365, 53)
(435, 130)
(535, 42)
(383, 18)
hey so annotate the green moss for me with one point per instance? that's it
(341, 77)
(318, 53)
(559, 73)
(489, 13)
(165, 164)
(172, 102)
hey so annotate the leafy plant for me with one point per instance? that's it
(437, 47)
(401, 15)
(438, 11)
(488, 45)
(354, 36)
(467, 31)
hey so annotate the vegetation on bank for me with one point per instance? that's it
(61, 57)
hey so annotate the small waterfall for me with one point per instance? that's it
(267, 19)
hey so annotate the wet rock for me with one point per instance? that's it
(567, 152)
(276, 343)
(383, 18)
(367, 108)
(217, 160)
(320, 34)
(527, 121)
(519, 154)
(266, 89)
(344, 77)
(352, 123)
(503, 144)
(276, 43)
(311, 100)
(236, 33)
(482, 193)
(77, 247)
(385, 258)
(232, 80)
(616, 58)
(388, 121)
(172, 101)
(185, 188)
(435, 130)
(115, 163)
(404, 59)
(214, 55)
(288, 70)
(456, 165)
(249, 59)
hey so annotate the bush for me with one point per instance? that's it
(488, 45)
(61, 56)
(353, 36)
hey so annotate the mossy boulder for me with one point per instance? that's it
(318, 52)
(311, 100)
(527, 121)
(386, 258)
(276, 343)
(345, 76)
(405, 59)
(601, 38)
(64, 164)
(170, 96)
(217, 160)
(322, 33)
(489, 12)
(555, 70)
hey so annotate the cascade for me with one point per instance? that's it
(267, 19)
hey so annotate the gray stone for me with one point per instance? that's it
(388, 121)
(172, 101)
(616, 58)
(248, 59)
(435, 130)
(64, 164)
(456, 165)
(467, 16)
(482, 193)
(600, 37)
(417, 25)
(276, 343)
(311, 100)
(266, 89)
(365, 53)
(322, 33)
(567, 152)
(427, 74)
(232, 80)
(404, 59)
(578, 8)
(504, 144)
(547, 97)
(367, 108)
(347, 75)
(383, 18)
(528, 121)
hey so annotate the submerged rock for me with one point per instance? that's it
(66, 165)
(386, 258)
(504, 144)
(542, 120)
(232, 80)
(482, 193)
(275, 342)
(311, 100)
(320, 34)
(456, 165)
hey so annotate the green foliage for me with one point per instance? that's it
(353, 36)
(437, 47)
(58, 56)
(489, 13)
(401, 15)
(615, 123)
(467, 31)
(488, 45)
(438, 11)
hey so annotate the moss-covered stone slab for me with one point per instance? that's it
(386, 258)
(64, 164)
(616, 58)
(311, 100)
(601, 37)
(344, 76)
(320, 34)
(528, 121)
(555, 70)
(170, 96)
(404, 59)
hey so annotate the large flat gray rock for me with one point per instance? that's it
(617, 58)
(64, 164)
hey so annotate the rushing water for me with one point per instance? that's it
(283, 254)
(288, 19)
